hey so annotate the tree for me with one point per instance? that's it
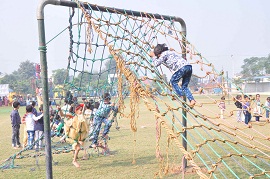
(59, 76)
(19, 80)
(256, 66)
(110, 65)
(26, 70)
(9, 79)
(84, 79)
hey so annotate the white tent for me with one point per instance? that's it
(4, 89)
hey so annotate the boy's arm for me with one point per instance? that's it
(38, 117)
(60, 111)
(23, 118)
(151, 54)
(157, 61)
(114, 109)
(13, 119)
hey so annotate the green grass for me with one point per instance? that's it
(119, 163)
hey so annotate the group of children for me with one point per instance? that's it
(82, 121)
(79, 121)
(33, 126)
(161, 55)
(244, 106)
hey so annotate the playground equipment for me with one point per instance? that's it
(114, 44)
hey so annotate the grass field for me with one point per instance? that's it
(119, 163)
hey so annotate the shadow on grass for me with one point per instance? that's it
(128, 163)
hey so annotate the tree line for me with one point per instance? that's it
(22, 79)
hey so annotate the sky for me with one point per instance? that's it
(224, 32)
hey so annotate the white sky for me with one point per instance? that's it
(218, 29)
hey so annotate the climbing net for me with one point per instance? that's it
(109, 52)
(117, 43)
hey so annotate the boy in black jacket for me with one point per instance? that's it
(238, 105)
(15, 122)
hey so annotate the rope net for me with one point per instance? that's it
(109, 52)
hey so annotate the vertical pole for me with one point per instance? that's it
(228, 87)
(222, 84)
(184, 117)
(45, 97)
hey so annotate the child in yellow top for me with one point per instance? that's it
(76, 130)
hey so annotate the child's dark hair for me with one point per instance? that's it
(15, 104)
(96, 105)
(106, 96)
(91, 101)
(160, 48)
(69, 98)
(88, 105)
(58, 117)
(29, 108)
(72, 109)
(222, 98)
(238, 96)
(33, 103)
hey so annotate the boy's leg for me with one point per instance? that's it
(97, 126)
(238, 115)
(13, 139)
(30, 138)
(246, 118)
(257, 118)
(108, 125)
(18, 136)
(267, 114)
(40, 140)
(25, 135)
(38, 135)
(175, 80)
(76, 152)
(59, 128)
(221, 114)
(186, 79)
(36, 138)
(249, 117)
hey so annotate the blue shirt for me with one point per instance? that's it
(15, 118)
(171, 60)
(34, 111)
(104, 110)
(246, 106)
(39, 124)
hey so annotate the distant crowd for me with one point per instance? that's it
(4, 101)
(246, 107)
(73, 122)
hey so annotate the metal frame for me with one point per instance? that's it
(44, 72)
